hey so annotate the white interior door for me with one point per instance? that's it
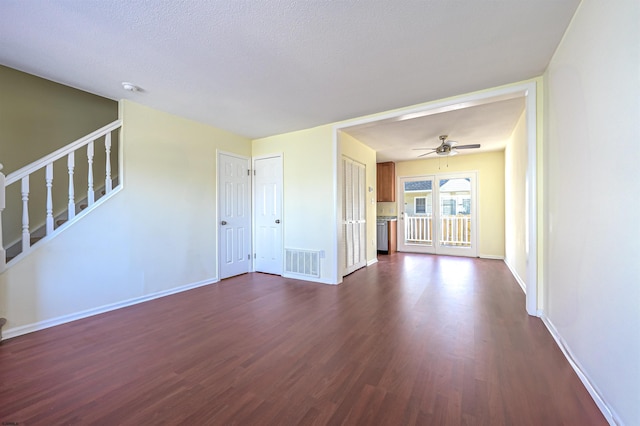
(438, 214)
(268, 214)
(234, 213)
(354, 215)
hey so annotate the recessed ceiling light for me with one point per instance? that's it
(130, 87)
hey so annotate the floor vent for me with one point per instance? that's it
(302, 262)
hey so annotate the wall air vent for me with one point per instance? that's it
(302, 262)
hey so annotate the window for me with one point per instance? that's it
(466, 206)
(421, 205)
(449, 207)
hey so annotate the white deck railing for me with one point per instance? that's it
(22, 175)
(418, 229)
(456, 230)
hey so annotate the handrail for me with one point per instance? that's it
(65, 150)
(22, 175)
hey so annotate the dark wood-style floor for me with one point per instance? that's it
(414, 339)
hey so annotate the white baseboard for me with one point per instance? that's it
(305, 278)
(607, 412)
(41, 325)
(490, 256)
(520, 281)
(372, 261)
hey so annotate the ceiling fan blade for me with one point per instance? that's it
(475, 145)
(422, 155)
(422, 149)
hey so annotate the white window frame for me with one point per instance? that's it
(415, 205)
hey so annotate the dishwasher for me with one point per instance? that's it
(383, 235)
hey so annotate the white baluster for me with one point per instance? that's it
(90, 193)
(71, 164)
(26, 237)
(466, 230)
(3, 256)
(108, 182)
(49, 182)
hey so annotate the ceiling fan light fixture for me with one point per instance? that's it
(447, 147)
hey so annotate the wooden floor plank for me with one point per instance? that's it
(414, 339)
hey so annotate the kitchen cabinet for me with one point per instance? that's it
(391, 236)
(386, 181)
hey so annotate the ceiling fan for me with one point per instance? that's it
(446, 147)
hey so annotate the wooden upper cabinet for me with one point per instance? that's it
(386, 179)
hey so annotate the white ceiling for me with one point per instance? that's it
(489, 125)
(258, 68)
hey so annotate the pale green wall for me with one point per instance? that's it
(515, 200)
(38, 116)
(490, 168)
(157, 234)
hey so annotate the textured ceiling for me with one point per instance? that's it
(489, 125)
(259, 68)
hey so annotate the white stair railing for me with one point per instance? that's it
(22, 175)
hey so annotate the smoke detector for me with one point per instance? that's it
(130, 87)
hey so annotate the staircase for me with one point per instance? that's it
(30, 235)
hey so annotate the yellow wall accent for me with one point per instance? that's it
(490, 168)
(309, 214)
(387, 209)
(157, 234)
(356, 150)
(516, 203)
(541, 188)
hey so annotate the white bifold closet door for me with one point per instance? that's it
(354, 215)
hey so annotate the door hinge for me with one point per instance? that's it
(248, 172)
(254, 255)
(248, 257)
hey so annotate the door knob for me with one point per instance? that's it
(224, 222)
(277, 220)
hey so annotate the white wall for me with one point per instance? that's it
(157, 234)
(593, 204)
(515, 218)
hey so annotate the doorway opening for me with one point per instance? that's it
(528, 92)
